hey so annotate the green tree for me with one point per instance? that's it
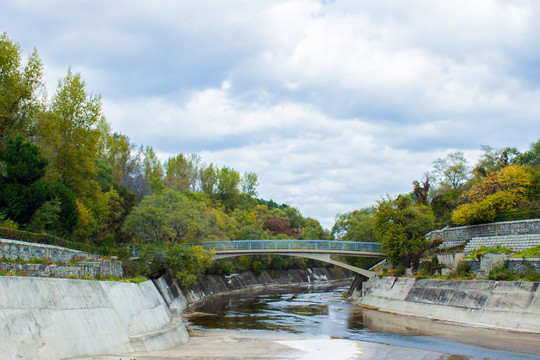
(22, 190)
(451, 171)
(118, 155)
(69, 134)
(249, 184)
(182, 172)
(227, 191)
(208, 177)
(401, 224)
(532, 156)
(493, 160)
(171, 216)
(19, 89)
(180, 262)
(357, 225)
(313, 230)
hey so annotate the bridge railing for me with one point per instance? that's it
(247, 245)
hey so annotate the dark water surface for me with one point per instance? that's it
(325, 313)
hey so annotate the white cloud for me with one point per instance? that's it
(331, 104)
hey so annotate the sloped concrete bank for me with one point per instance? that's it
(504, 305)
(179, 297)
(42, 318)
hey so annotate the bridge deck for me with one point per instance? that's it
(349, 248)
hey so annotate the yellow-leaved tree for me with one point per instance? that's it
(504, 192)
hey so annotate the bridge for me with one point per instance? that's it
(320, 250)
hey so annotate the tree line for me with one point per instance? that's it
(503, 185)
(65, 172)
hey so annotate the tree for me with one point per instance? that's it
(421, 192)
(249, 184)
(118, 155)
(22, 190)
(208, 179)
(357, 225)
(493, 160)
(182, 172)
(69, 134)
(532, 156)
(278, 226)
(313, 230)
(19, 90)
(451, 171)
(227, 191)
(180, 262)
(401, 224)
(501, 192)
(171, 216)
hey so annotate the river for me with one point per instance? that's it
(322, 323)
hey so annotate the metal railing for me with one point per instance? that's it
(312, 245)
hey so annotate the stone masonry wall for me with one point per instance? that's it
(86, 264)
(13, 249)
(457, 235)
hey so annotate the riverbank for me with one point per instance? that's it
(178, 297)
(502, 305)
(320, 324)
(47, 318)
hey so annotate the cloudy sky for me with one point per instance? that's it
(332, 103)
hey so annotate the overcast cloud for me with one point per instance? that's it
(331, 103)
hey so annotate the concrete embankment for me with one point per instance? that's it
(43, 318)
(179, 297)
(504, 305)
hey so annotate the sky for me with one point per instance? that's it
(333, 104)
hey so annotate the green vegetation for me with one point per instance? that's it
(533, 252)
(504, 185)
(67, 179)
(503, 273)
(489, 250)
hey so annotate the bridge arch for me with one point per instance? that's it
(320, 250)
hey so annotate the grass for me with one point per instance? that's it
(489, 250)
(533, 252)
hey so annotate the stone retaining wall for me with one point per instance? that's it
(13, 249)
(85, 264)
(457, 235)
(95, 270)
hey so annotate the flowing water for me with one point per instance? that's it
(326, 314)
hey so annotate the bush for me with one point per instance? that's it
(463, 271)
(488, 250)
(257, 267)
(502, 272)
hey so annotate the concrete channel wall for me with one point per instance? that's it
(493, 304)
(45, 319)
(179, 297)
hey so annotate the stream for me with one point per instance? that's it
(324, 318)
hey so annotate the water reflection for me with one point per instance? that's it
(325, 313)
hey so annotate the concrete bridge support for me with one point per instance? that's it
(319, 257)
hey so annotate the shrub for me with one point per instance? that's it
(502, 272)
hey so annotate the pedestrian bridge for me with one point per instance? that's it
(320, 250)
